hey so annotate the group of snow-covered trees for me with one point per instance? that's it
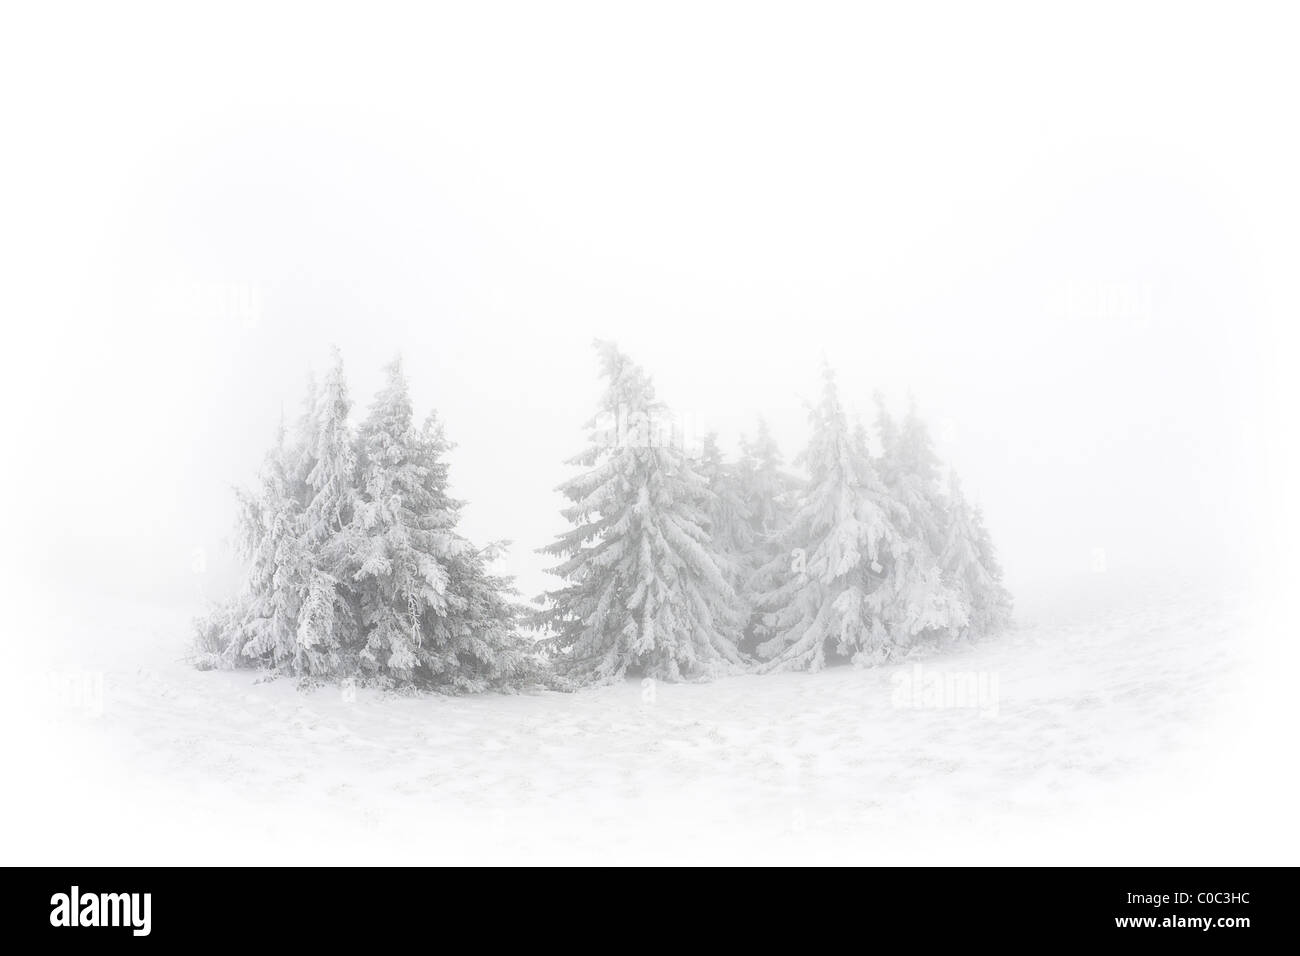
(356, 568)
(677, 564)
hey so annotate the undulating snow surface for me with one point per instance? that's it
(1104, 729)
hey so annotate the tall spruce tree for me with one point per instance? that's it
(430, 611)
(293, 615)
(331, 458)
(918, 599)
(831, 571)
(768, 491)
(969, 560)
(646, 591)
(327, 624)
(730, 526)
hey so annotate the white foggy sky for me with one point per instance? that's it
(926, 197)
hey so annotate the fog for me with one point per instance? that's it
(1069, 260)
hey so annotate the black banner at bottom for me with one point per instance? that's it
(99, 908)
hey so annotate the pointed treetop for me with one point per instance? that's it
(628, 382)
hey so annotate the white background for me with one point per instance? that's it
(1071, 236)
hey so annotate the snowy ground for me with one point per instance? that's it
(1123, 727)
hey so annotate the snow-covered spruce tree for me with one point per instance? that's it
(289, 616)
(855, 584)
(327, 621)
(730, 526)
(969, 560)
(645, 591)
(830, 566)
(917, 598)
(768, 492)
(430, 611)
